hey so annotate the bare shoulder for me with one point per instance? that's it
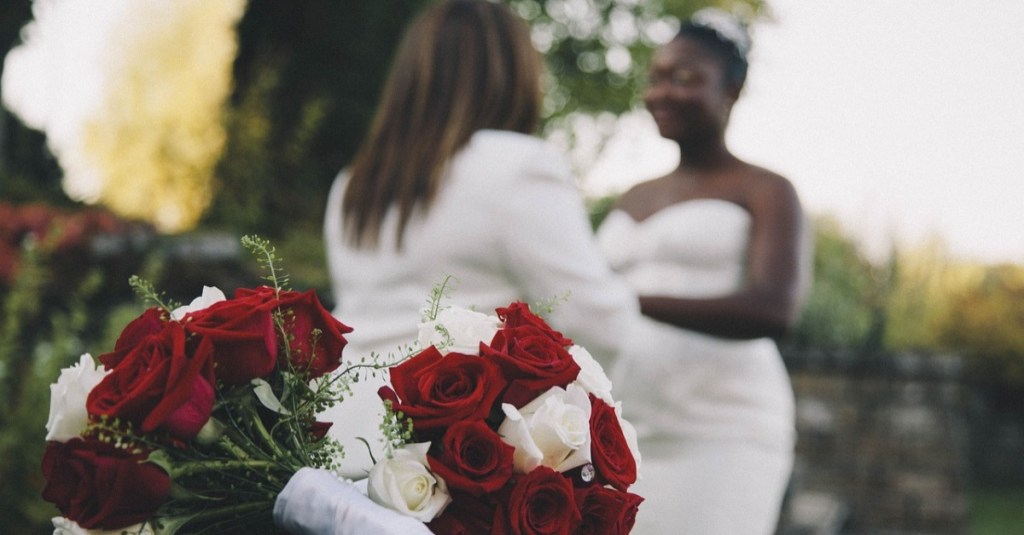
(638, 200)
(763, 186)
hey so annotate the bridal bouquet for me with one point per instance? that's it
(199, 416)
(502, 425)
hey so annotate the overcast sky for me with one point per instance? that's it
(905, 119)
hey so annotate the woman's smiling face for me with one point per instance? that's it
(687, 93)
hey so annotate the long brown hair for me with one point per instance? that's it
(463, 65)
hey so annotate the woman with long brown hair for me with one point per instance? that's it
(451, 181)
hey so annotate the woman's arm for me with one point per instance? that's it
(549, 250)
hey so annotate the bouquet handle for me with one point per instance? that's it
(316, 502)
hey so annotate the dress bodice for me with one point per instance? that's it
(694, 248)
(707, 387)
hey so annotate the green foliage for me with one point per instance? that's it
(923, 279)
(28, 172)
(441, 291)
(985, 320)
(307, 79)
(37, 339)
(309, 73)
(266, 256)
(996, 511)
(845, 308)
(597, 51)
(149, 294)
(396, 429)
(598, 209)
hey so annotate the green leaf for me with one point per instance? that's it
(265, 393)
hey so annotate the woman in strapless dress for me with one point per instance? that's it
(716, 417)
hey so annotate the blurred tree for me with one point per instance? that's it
(845, 308)
(28, 172)
(309, 72)
(158, 133)
(597, 50)
(919, 298)
(985, 319)
(307, 77)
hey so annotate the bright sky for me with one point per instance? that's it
(904, 119)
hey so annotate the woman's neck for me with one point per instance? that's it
(704, 155)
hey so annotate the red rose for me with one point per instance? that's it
(243, 337)
(606, 511)
(542, 502)
(473, 458)
(611, 454)
(188, 419)
(157, 385)
(101, 486)
(150, 322)
(533, 361)
(518, 314)
(466, 515)
(438, 391)
(318, 430)
(531, 353)
(315, 337)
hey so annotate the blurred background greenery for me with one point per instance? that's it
(260, 149)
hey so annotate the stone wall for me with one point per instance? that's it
(882, 445)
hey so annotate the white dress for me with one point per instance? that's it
(510, 224)
(714, 416)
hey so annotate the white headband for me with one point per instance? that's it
(728, 27)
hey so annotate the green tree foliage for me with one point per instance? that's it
(985, 319)
(924, 279)
(845, 308)
(309, 73)
(38, 337)
(28, 172)
(597, 50)
(307, 78)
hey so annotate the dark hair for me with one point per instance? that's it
(734, 61)
(463, 66)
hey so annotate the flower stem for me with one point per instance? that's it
(171, 523)
(279, 454)
(231, 447)
(198, 467)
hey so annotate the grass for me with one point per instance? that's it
(997, 511)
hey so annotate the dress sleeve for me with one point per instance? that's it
(550, 249)
(333, 234)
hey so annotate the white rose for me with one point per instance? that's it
(66, 526)
(405, 484)
(68, 416)
(458, 330)
(592, 378)
(210, 296)
(629, 432)
(552, 430)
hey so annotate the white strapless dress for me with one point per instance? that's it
(714, 416)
